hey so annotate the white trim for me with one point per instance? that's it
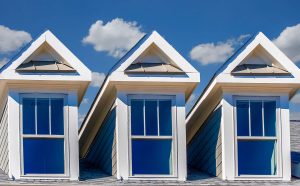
(156, 98)
(164, 46)
(277, 138)
(48, 136)
(49, 38)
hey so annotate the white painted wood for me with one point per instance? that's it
(8, 72)
(73, 135)
(181, 137)
(285, 137)
(14, 135)
(122, 136)
(228, 137)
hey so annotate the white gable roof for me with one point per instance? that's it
(164, 46)
(47, 38)
(260, 41)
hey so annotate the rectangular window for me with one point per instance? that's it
(256, 137)
(151, 137)
(43, 136)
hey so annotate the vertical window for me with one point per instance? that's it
(151, 137)
(43, 136)
(256, 137)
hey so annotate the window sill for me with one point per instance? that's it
(46, 176)
(259, 177)
(153, 177)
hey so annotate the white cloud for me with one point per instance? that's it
(97, 79)
(3, 61)
(11, 40)
(115, 37)
(208, 53)
(289, 42)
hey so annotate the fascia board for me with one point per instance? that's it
(165, 47)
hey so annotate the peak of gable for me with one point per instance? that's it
(46, 54)
(259, 57)
(154, 49)
(45, 59)
(260, 63)
(153, 61)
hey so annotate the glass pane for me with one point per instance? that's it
(57, 116)
(165, 117)
(242, 109)
(257, 157)
(137, 117)
(152, 157)
(43, 156)
(28, 116)
(42, 116)
(270, 118)
(151, 117)
(256, 118)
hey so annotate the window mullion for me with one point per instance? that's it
(249, 118)
(144, 113)
(263, 119)
(35, 115)
(157, 111)
(50, 130)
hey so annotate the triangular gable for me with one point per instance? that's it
(63, 58)
(157, 45)
(260, 56)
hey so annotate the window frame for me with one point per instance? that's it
(173, 137)
(277, 138)
(65, 136)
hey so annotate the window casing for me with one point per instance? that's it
(152, 139)
(257, 138)
(44, 132)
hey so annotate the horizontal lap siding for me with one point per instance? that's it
(4, 141)
(295, 140)
(205, 149)
(102, 153)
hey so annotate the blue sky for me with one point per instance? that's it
(215, 28)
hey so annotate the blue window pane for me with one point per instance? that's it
(270, 118)
(242, 109)
(256, 118)
(28, 116)
(151, 117)
(43, 156)
(257, 157)
(42, 116)
(152, 157)
(165, 117)
(137, 117)
(57, 116)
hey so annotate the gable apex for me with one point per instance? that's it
(260, 51)
(57, 52)
(158, 44)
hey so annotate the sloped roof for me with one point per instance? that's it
(153, 68)
(258, 70)
(45, 66)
